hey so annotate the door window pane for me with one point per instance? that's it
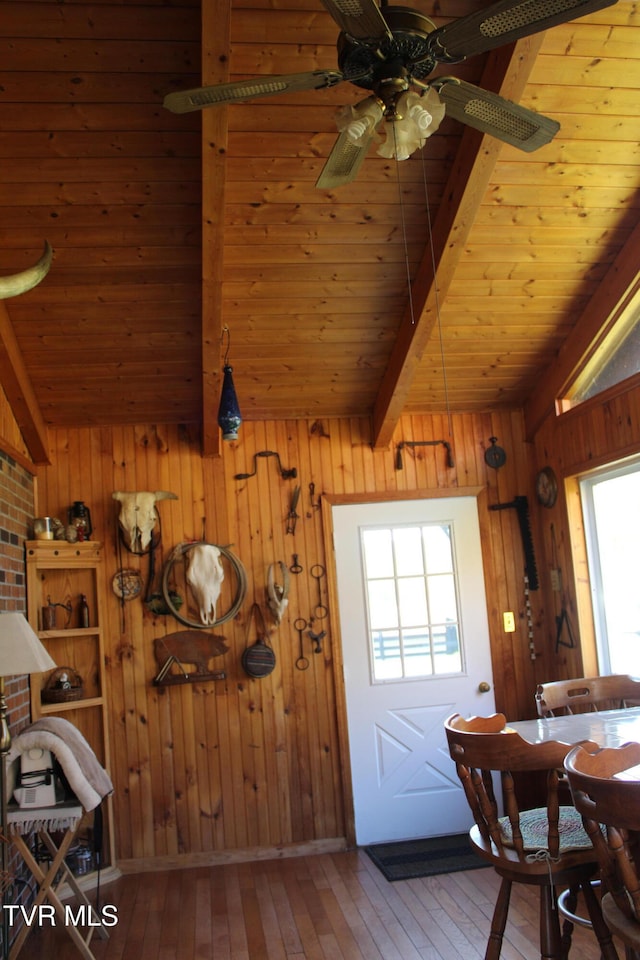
(438, 547)
(383, 608)
(442, 599)
(447, 655)
(417, 653)
(412, 601)
(407, 544)
(376, 545)
(386, 654)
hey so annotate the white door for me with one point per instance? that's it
(415, 639)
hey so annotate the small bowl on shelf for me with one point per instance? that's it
(63, 686)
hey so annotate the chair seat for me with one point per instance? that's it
(534, 827)
(577, 865)
(625, 927)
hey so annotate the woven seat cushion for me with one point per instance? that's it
(535, 828)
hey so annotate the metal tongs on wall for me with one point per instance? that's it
(292, 516)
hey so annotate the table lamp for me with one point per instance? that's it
(20, 653)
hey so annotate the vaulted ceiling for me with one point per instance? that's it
(169, 228)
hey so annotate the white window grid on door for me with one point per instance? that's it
(412, 601)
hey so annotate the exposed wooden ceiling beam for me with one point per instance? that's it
(506, 72)
(19, 391)
(216, 16)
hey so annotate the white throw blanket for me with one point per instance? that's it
(89, 781)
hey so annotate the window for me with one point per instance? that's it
(615, 358)
(611, 506)
(412, 601)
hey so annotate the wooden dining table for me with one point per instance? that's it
(607, 728)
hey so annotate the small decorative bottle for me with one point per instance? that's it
(83, 611)
(229, 416)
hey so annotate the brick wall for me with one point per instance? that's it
(16, 517)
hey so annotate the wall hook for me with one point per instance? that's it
(286, 474)
(423, 443)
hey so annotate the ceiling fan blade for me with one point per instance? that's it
(343, 162)
(183, 101)
(361, 19)
(492, 114)
(504, 22)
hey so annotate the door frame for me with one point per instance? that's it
(329, 500)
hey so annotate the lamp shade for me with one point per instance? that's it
(20, 649)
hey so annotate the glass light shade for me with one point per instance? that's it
(360, 120)
(229, 416)
(417, 117)
(20, 649)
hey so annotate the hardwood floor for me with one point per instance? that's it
(323, 907)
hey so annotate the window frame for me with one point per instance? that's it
(586, 483)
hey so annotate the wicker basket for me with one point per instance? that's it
(64, 685)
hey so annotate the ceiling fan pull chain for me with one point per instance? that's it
(404, 235)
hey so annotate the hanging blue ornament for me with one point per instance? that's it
(229, 416)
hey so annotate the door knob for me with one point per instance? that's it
(484, 687)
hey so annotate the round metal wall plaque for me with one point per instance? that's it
(127, 584)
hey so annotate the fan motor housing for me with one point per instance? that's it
(409, 52)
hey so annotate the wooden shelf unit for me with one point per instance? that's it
(60, 572)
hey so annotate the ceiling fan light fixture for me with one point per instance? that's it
(359, 121)
(417, 116)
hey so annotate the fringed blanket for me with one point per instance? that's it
(60, 817)
(89, 781)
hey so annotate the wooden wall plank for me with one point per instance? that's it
(238, 764)
(603, 430)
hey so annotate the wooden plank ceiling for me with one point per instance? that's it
(312, 285)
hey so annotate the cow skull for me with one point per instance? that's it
(205, 574)
(138, 516)
(17, 283)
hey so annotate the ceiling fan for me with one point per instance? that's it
(391, 51)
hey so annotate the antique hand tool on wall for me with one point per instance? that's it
(301, 625)
(292, 516)
(317, 571)
(286, 473)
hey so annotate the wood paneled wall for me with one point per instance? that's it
(601, 431)
(11, 438)
(244, 764)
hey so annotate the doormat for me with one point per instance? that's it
(409, 859)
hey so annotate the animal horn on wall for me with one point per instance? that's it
(17, 283)
(277, 593)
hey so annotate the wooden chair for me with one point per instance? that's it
(545, 847)
(584, 694)
(610, 809)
